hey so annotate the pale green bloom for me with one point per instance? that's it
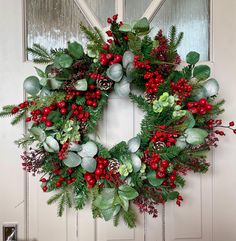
(143, 168)
(165, 100)
(157, 106)
(125, 169)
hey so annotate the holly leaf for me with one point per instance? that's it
(173, 195)
(192, 57)
(76, 50)
(201, 72)
(156, 182)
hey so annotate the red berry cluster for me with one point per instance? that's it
(141, 64)
(199, 107)
(218, 123)
(109, 58)
(99, 173)
(154, 79)
(63, 150)
(179, 200)
(160, 167)
(92, 96)
(20, 106)
(168, 137)
(114, 19)
(79, 113)
(182, 89)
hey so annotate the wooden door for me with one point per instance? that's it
(208, 211)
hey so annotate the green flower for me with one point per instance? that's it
(125, 169)
(143, 168)
(157, 106)
(178, 112)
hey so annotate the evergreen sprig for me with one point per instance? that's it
(40, 54)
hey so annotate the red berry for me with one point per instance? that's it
(202, 102)
(109, 20)
(126, 38)
(235, 131)
(14, 110)
(154, 165)
(48, 123)
(172, 178)
(61, 179)
(98, 172)
(115, 17)
(117, 58)
(178, 202)
(45, 188)
(43, 180)
(106, 46)
(109, 33)
(94, 104)
(28, 119)
(22, 105)
(68, 182)
(58, 184)
(231, 123)
(109, 56)
(46, 110)
(180, 198)
(63, 111)
(164, 163)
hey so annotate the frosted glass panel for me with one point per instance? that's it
(134, 9)
(102, 9)
(189, 16)
(52, 23)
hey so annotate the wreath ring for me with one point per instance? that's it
(66, 101)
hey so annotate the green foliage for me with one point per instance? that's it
(119, 150)
(141, 102)
(168, 153)
(94, 36)
(25, 141)
(40, 54)
(18, 117)
(64, 200)
(130, 217)
(134, 43)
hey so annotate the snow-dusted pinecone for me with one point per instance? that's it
(104, 84)
(113, 166)
(158, 145)
(149, 97)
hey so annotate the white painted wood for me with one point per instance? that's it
(120, 7)
(91, 18)
(152, 9)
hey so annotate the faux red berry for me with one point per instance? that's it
(48, 123)
(164, 163)
(45, 188)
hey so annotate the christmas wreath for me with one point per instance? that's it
(66, 101)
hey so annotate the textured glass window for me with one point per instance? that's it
(134, 9)
(102, 9)
(190, 17)
(52, 23)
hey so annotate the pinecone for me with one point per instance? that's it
(149, 97)
(104, 84)
(159, 145)
(113, 166)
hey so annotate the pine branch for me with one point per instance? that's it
(18, 118)
(40, 54)
(141, 102)
(130, 217)
(116, 219)
(5, 114)
(25, 141)
(8, 107)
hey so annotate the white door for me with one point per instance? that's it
(208, 210)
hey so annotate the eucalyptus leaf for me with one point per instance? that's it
(72, 159)
(43, 81)
(89, 149)
(141, 26)
(89, 164)
(127, 192)
(124, 203)
(115, 72)
(136, 162)
(122, 88)
(153, 180)
(81, 85)
(201, 72)
(54, 84)
(181, 142)
(108, 213)
(38, 133)
(105, 199)
(134, 144)
(189, 121)
(51, 144)
(74, 147)
(31, 85)
(125, 28)
(45, 92)
(211, 87)
(192, 57)
(76, 50)
(195, 136)
(64, 60)
(128, 58)
(130, 72)
(200, 93)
